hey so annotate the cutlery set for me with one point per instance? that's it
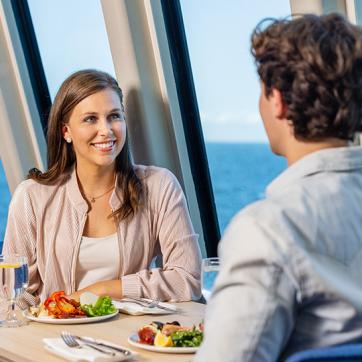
(72, 341)
(148, 303)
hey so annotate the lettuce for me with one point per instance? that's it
(192, 338)
(103, 306)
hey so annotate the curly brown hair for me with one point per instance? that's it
(316, 64)
(61, 156)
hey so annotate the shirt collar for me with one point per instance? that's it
(326, 160)
(77, 199)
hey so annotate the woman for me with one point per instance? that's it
(94, 221)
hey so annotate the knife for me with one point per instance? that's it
(124, 351)
(148, 304)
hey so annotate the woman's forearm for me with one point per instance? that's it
(113, 288)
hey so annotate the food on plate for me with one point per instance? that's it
(38, 311)
(102, 306)
(88, 298)
(162, 340)
(201, 326)
(60, 307)
(147, 334)
(187, 338)
(170, 335)
(169, 328)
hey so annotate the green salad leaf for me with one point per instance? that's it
(192, 338)
(103, 306)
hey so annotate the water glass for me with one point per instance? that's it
(209, 271)
(13, 282)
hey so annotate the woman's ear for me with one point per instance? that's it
(280, 107)
(66, 133)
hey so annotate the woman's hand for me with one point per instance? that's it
(113, 288)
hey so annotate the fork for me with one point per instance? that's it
(154, 303)
(71, 342)
(92, 341)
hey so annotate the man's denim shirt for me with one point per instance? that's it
(291, 265)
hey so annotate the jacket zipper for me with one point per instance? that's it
(120, 249)
(76, 252)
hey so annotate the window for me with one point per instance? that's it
(4, 204)
(71, 36)
(69, 39)
(358, 12)
(227, 88)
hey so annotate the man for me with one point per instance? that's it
(291, 265)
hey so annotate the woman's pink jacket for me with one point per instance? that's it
(46, 223)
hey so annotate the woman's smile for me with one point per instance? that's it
(97, 129)
(105, 147)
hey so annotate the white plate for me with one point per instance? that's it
(51, 320)
(134, 341)
(129, 307)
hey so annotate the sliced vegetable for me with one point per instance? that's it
(190, 338)
(163, 341)
(170, 335)
(103, 306)
(147, 334)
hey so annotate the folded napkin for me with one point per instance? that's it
(131, 307)
(84, 354)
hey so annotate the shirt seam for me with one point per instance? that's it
(266, 315)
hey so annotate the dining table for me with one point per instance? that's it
(25, 343)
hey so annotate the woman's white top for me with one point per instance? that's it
(98, 260)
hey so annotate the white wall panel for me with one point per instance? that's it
(22, 143)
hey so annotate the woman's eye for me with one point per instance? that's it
(115, 116)
(90, 119)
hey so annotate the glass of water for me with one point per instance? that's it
(209, 271)
(13, 282)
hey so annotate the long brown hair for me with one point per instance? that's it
(61, 156)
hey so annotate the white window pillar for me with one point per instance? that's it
(142, 61)
(22, 143)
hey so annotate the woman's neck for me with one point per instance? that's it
(95, 181)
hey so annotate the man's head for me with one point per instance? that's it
(314, 63)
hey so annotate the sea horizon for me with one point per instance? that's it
(240, 172)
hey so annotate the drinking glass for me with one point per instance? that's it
(13, 282)
(209, 271)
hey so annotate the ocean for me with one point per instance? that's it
(4, 203)
(240, 173)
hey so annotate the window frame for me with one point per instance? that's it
(33, 59)
(180, 58)
(163, 119)
(21, 129)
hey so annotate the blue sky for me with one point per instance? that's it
(225, 78)
(71, 35)
(218, 35)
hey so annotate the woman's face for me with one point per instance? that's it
(97, 129)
